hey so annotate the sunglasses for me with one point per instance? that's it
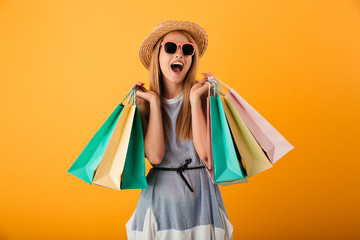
(186, 47)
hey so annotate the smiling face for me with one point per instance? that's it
(166, 59)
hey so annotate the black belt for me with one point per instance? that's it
(180, 170)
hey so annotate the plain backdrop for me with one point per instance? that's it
(65, 65)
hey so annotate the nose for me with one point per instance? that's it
(179, 52)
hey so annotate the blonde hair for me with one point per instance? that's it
(183, 124)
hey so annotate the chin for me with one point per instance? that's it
(175, 78)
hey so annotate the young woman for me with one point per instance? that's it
(181, 201)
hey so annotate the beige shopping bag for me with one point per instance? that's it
(109, 171)
(252, 156)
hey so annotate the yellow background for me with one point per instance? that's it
(65, 65)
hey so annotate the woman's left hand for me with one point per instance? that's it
(200, 88)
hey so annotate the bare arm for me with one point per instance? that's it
(198, 119)
(153, 129)
(198, 123)
(154, 138)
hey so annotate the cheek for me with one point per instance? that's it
(163, 61)
(189, 62)
(163, 65)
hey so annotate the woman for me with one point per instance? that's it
(181, 201)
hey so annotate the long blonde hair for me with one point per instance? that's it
(183, 124)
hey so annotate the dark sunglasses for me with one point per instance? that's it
(172, 46)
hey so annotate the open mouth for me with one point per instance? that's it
(176, 67)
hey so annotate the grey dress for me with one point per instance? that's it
(168, 209)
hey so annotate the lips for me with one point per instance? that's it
(177, 67)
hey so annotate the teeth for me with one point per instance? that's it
(177, 63)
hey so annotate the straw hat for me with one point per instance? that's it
(196, 31)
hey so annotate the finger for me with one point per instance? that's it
(211, 85)
(142, 88)
(204, 89)
(140, 94)
(134, 86)
(138, 84)
(200, 81)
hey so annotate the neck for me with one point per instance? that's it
(172, 90)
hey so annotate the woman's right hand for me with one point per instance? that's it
(145, 94)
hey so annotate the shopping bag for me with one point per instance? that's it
(209, 162)
(226, 166)
(108, 174)
(252, 156)
(270, 140)
(236, 181)
(89, 159)
(133, 176)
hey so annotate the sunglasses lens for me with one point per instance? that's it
(170, 47)
(188, 49)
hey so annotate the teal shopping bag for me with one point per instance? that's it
(226, 160)
(133, 176)
(89, 159)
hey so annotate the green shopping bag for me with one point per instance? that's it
(226, 167)
(89, 159)
(133, 176)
